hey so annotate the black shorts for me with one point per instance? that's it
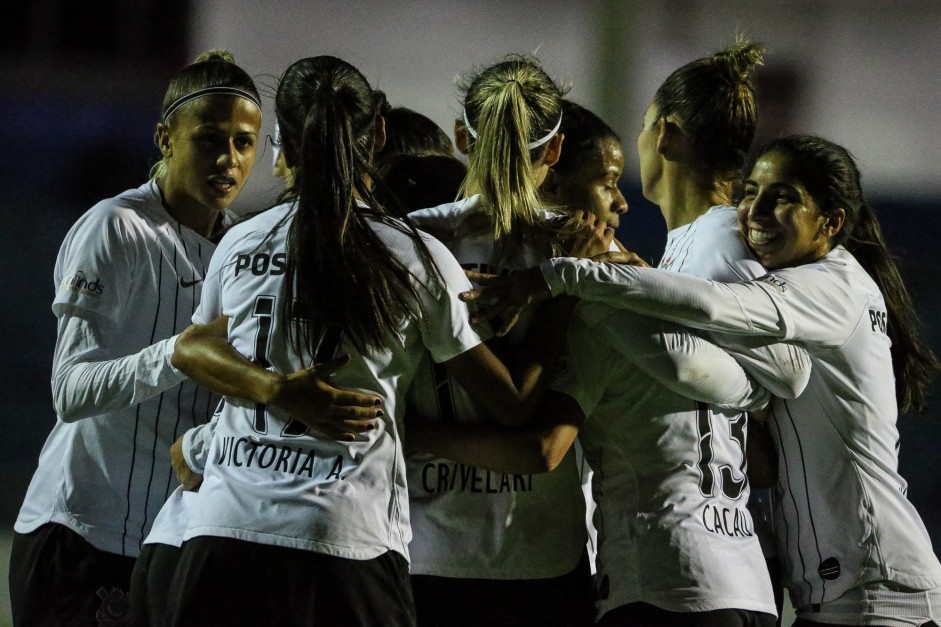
(58, 578)
(150, 584)
(646, 615)
(564, 601)
(222, 581)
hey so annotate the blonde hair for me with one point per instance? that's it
(509, 106)
(213, 68)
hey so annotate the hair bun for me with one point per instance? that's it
(216, 54)
(740, 58)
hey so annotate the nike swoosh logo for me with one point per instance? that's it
(185, 283)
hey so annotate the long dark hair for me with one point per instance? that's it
(832, 179)
(339, 272)
(714, 99)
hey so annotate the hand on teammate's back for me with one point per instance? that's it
(340, 414)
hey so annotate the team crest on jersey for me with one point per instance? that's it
(114, 610)
(775, 282)
(80, 283)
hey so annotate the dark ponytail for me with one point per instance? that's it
(339, 272)
(832, 179)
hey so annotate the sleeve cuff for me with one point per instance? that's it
(552, 276)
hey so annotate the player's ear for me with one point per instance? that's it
(553, 150)
(672, 142)
(833, 223)
(461, 137)
(162, 139)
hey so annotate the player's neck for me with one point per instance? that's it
(188, 212)
(685, 199)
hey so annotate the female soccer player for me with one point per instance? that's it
(855, 550)
(701, 123)
(517, 541)
(588, 170)
(309, 528)
(128, 277)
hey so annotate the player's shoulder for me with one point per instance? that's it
(837, 268)
(719, 223)
(251, 228)
(122, 216)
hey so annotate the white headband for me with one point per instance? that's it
(530, 145)
(210, 91)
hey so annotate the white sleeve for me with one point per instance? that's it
(87, 380)
(781, 367)
(736, 308)
(196, 443)
(817, 304)
(585, 369)
(446, 328)
(681, 361)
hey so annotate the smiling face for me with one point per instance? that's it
(780, 220)
(209, 145)
(593, 186)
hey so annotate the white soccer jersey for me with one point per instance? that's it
(269, 480)
(843, 518)
(710, 247)
(669, 466)
(128, 277)
(170, 525)
(468, 522)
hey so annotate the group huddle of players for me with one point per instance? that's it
(396, 445)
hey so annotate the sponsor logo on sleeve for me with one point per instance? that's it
(775, 281)
(80, 283)
(879, 320)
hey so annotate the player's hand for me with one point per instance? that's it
(306, 396)
(505, 297)
(593, 236)
(624, 257)
(189, 479)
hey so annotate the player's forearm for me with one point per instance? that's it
(540, 353)
(495, 448)
(742, 309)
(209, 359)
(692, 367)
(781, 367)
(85, 384)
(195, 445)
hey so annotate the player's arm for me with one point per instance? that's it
(535, 448)
(681, 360)
(88, 380)
(781, 367)
(204, 353)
